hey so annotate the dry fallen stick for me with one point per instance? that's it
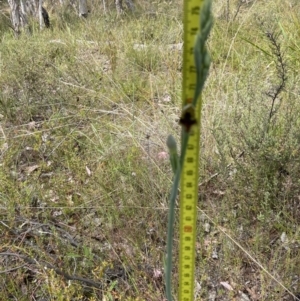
(31, 261)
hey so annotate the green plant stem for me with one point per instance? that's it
(171, 217)
(202, 63)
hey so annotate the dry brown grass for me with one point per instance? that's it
(84, 183)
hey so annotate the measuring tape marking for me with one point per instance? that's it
(189, 177)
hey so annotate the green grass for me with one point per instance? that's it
(84, 117)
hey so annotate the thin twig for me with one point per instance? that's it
(12, 269)
(249, 255)
(47, 265)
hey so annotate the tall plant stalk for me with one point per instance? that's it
(202, 63)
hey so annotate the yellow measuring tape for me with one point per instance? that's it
(189, 176)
